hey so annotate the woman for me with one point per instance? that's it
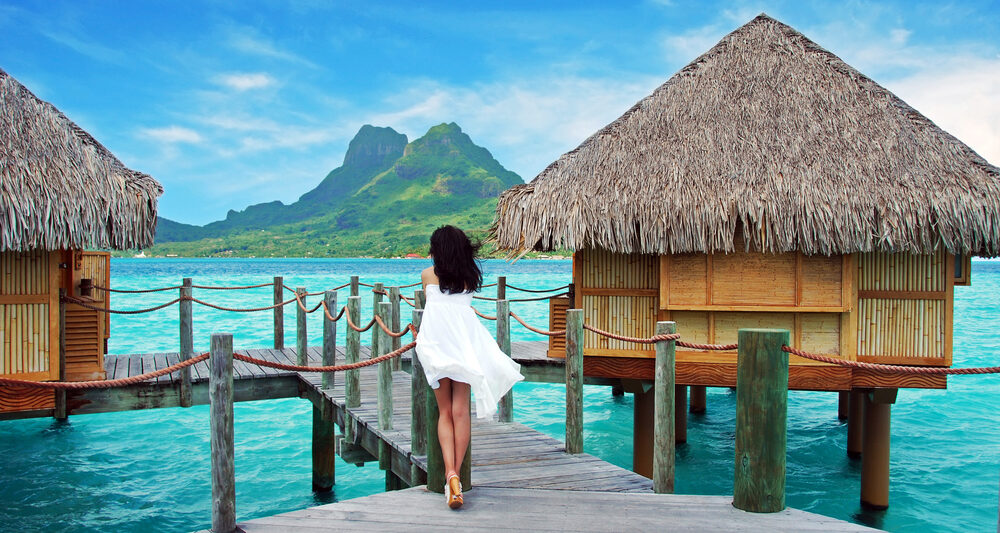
(456, 351)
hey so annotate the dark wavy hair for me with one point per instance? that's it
(455, 261)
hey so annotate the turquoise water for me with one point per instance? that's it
(149, 470)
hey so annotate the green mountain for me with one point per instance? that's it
(384, 200)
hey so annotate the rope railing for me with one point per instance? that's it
(895, 369)
(557, 333)
(509, 286)
(233, 288)
(82, 303)
(640, 340)
(137, 291)
(355, 327)
(697, 346)
(335, 368)
(331, 318)
(487, 317)
(491, 299)
(107, 384)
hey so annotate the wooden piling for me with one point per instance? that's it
(761, 418)
(418, 410)
(506, 408)
(643, 409)
(420, 298)
(355, 286)
(680, 414)
(855, 424)
(574, 381)
(279, 313)
(59, 412)
(384, 371)
(875, 456)
(501, 288)
(394, 324)
(301, 334)
(352, 354)
(220, 395)
(376, 299)
(843, 408)
(329, 338)
(698, 399)
(435, 461)
(324, 447)
(186, 341)
(664, 411)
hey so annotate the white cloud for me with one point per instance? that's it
(960, 96)
(171, 134)
(247, 40)
(244, 81)
(899, 36)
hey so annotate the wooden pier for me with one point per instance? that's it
(519, 475)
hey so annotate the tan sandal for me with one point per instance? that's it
(453, 492)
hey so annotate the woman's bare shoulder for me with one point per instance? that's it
(428, 277)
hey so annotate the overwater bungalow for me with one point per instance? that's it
(63, 197)
(768, 184)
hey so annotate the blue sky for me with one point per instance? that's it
(234, 103)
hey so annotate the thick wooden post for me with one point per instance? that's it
(503, 340)
(843, 408)
(875, 456)
(855, 424)
(643, 411)
(329, 338)
(186, 349)
(501, 288)
(435, 461)
(574, 381)
(394, 324)
(664, 390)
(761, 418)
(680, 414)
(421, 298)
(384, 372)
(352, 381)
(301, 333)
(355, 285)
(697, 399)
(376, 334)
(220, 395)
(418, 408)
(279, 313)
(324, 447)
(59, 413)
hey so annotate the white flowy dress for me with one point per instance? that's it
(452, 343)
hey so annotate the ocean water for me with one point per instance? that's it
(149, 470)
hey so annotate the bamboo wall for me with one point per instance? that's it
(29, 315)
(87, 330)
(618, 293)
(905, 308)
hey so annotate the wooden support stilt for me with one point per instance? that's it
(418, 411)
(698, 399)
(435, 461)
(393, 482)
(501, 288)
(384, 371)
(60, 413)
(680, 414)
(855, 424)
(643, 410)
(186, 348)
(664, 411)
(617, 390)
(761, 420)
(352, 354)
(843, 401)
(355, 286)
(875, 456)
(376, 335)
(329, 338)
(506, 407)
(279, 313)
(301, 333)
(324, 447)
(394, 324)
(574, 381)
(220, 395)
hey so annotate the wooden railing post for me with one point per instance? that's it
(420, 299)
(301, 334)
(324, 446)
(418, 408)
(352, 388)
(59, 411)
(279, 313)
(761, 418)
(384, 386)
(187, 341)
(329, 337)
(663, 411)
(574, 381)
(501, 288)
(394, 324)
(376, 335)
(503, 340)
(355, 286)
(220, 395)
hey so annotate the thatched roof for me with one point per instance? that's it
(59, 188)
(769, 140)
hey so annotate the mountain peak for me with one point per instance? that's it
(374, 146)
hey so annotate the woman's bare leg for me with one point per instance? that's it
(461, 422)
(446, 428)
